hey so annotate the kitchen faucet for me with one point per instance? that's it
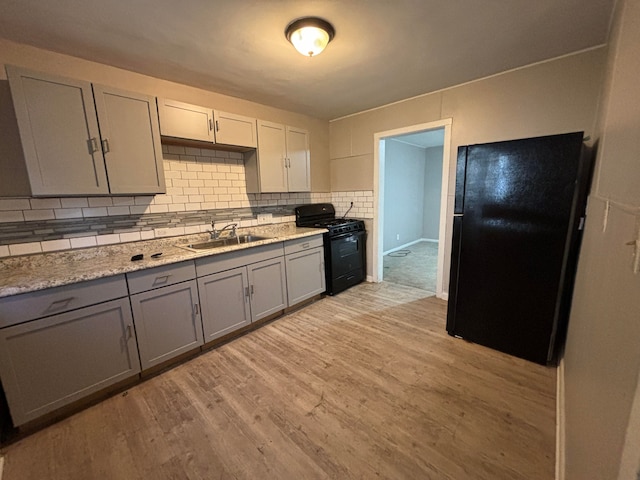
(216, 233)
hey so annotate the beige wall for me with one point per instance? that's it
(553, 97)
(45, 61)
(602, 356)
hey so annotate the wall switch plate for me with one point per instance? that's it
(265, 218)
(397, 236)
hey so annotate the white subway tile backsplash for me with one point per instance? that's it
(35, 215)
(100, 201)
(123, 201)
(108, 239)
(64, 213)
(83, 242)
(94, 212)
(45, 203)
(25, 248)
(112, 211)
(158, 208)
(130, 237)
(14, 204)
(7, 216)
(74, 202)
(55, 245)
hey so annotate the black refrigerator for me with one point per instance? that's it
(519, 212)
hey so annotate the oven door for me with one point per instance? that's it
(347, 261)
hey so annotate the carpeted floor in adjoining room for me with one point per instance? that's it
(414, 266)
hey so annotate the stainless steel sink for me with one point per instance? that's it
(224, 242)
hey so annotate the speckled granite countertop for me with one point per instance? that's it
(36, 272)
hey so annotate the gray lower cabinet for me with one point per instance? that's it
(304, 260)
(267, 288)
(48, 363)
(240, 287)
(224, 298)
(166, 312)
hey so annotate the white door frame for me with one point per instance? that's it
(378, 195)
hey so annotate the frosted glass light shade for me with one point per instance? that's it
(309, 35)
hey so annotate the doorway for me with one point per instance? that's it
(411, 179)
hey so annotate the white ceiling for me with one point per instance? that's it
(383, 51)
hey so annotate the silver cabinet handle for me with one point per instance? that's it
(252, 290)
(161, 280)
(210, 124)
(129, 331)
(246, 292)
(196, 309)
(93, 145)
(305, 245)
(217, 126)
(105, 146)
(60, 304)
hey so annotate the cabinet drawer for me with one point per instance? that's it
(29, 306)
(157, 277)
(227, 261)
(301, 244)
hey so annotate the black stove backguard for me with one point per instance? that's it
(344, 245)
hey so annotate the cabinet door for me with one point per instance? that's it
(183, 120)
(298, 173)
(267, 288)
(48, 363)
(224, 298)
(130, 141)
(232, 129)
(59, 133)
(272, 157)
(305, 275)
(167, 322)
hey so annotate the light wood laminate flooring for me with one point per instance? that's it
(363, 385)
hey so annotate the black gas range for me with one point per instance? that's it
(344, 245)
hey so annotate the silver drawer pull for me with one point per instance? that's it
(196, 309)
(129, 331)
(60, 304)
(161, 280)
(93, 145)
(305, 245)
(105, 146)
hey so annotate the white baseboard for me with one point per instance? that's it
(401, 247)
(443, 296)
(368, 279)
(432, 240)
(560, 422)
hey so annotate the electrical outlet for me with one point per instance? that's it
(265, 218)
(162, 232)
(397, 236)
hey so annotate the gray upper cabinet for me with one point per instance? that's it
(282, 162)
(130, 141)
(193, 122)
(183, 120)
(73, 148)
(232, 129)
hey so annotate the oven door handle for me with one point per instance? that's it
(348, 234)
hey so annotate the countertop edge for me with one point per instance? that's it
(24, 280)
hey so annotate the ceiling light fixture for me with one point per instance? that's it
(309, 35)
